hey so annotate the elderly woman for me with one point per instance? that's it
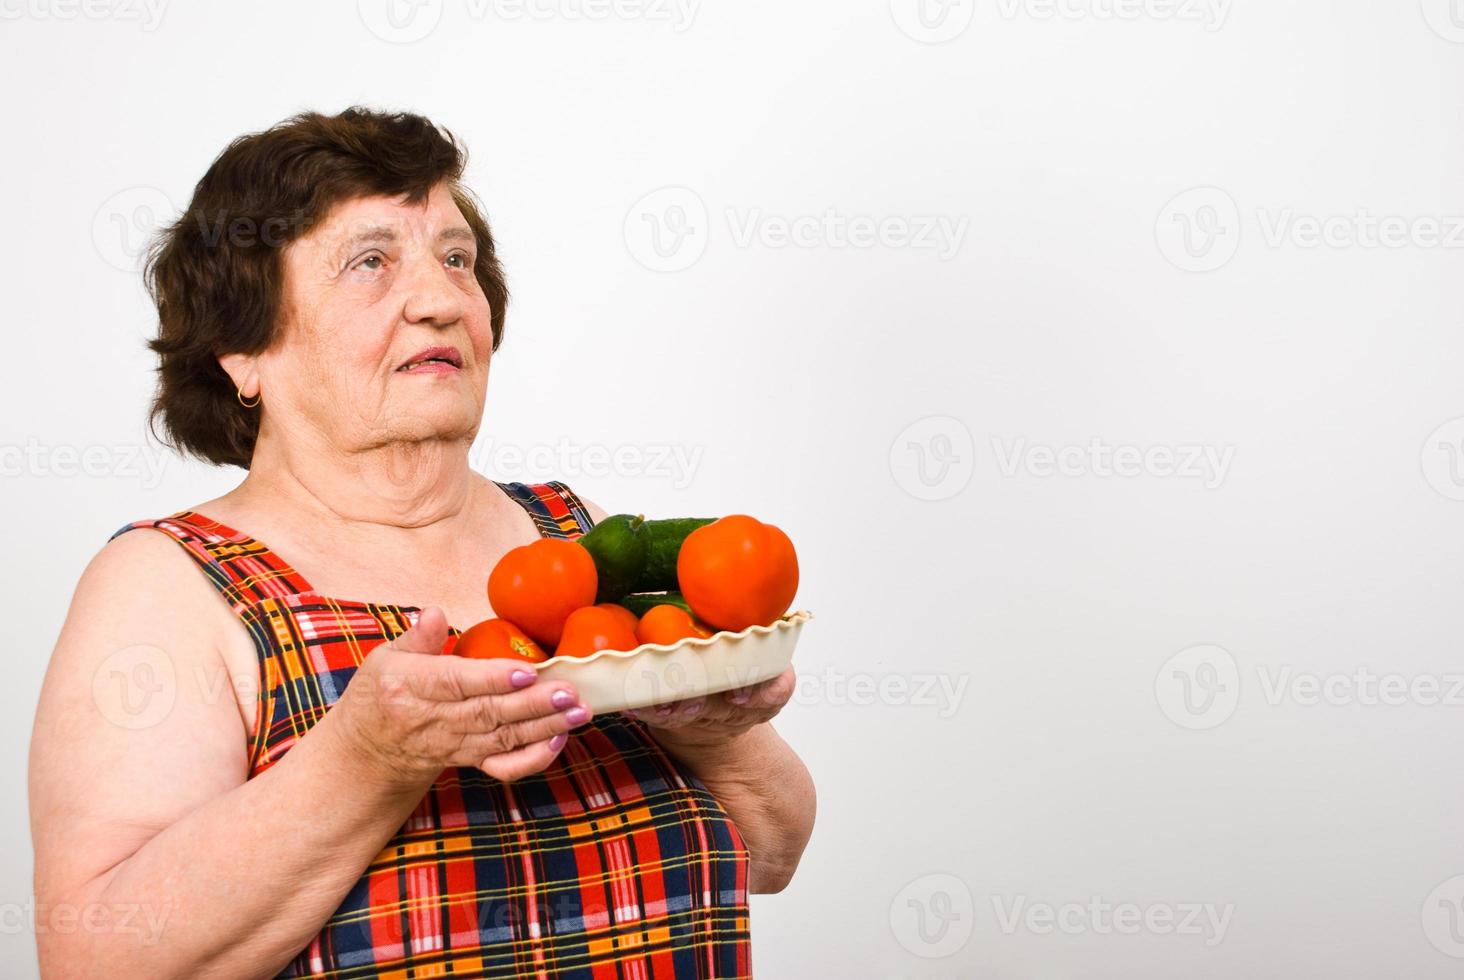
(268, 768)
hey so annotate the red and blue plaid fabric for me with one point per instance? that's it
(615, 863)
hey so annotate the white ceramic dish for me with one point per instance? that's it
(614, 680)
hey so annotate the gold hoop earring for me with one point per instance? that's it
(239, 394)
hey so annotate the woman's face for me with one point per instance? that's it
(370, 289)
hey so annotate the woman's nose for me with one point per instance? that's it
(431, 294)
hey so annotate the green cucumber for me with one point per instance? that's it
(619, 544)
(663, 545)
(641, 603)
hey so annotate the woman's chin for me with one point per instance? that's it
(429, 418)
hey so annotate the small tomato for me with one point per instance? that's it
(593, 628)
(626, 616)
(494, 638)
(668, 625)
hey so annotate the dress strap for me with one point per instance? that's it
(555, 509)
(241, 568)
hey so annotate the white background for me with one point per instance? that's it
(1073, 766)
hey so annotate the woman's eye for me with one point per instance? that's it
(366, 263)
(460, 259)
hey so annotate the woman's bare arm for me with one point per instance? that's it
(154, 856)
(769, 794)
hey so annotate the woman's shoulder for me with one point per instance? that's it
(156, 546)
(147, 563)
(150, 567)
(140, 588)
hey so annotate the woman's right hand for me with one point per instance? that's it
(413, 712)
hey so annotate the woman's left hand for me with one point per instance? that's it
(697, 725)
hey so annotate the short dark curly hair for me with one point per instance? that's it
(216, 274)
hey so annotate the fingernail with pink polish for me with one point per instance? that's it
(561, 699)
(557, 742)
(522, 678)
(576, 716)
(740, 698)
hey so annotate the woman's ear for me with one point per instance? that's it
(243, 369)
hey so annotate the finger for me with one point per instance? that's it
(525, 761)
(427, 636)
(744, 696)
(690, 709)
(483, 737)
(771, 693)
(693, 711)
(533, 730)
(654, 713)
(462, 678)
(490, 711)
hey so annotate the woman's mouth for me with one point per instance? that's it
(434, 360)
(429, 366)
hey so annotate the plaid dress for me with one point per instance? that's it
(615, 863)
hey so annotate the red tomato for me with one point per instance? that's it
(737, 572)
(626, 616)
(668, 625)
(495, 638)
(594, 628)
(538, 585)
